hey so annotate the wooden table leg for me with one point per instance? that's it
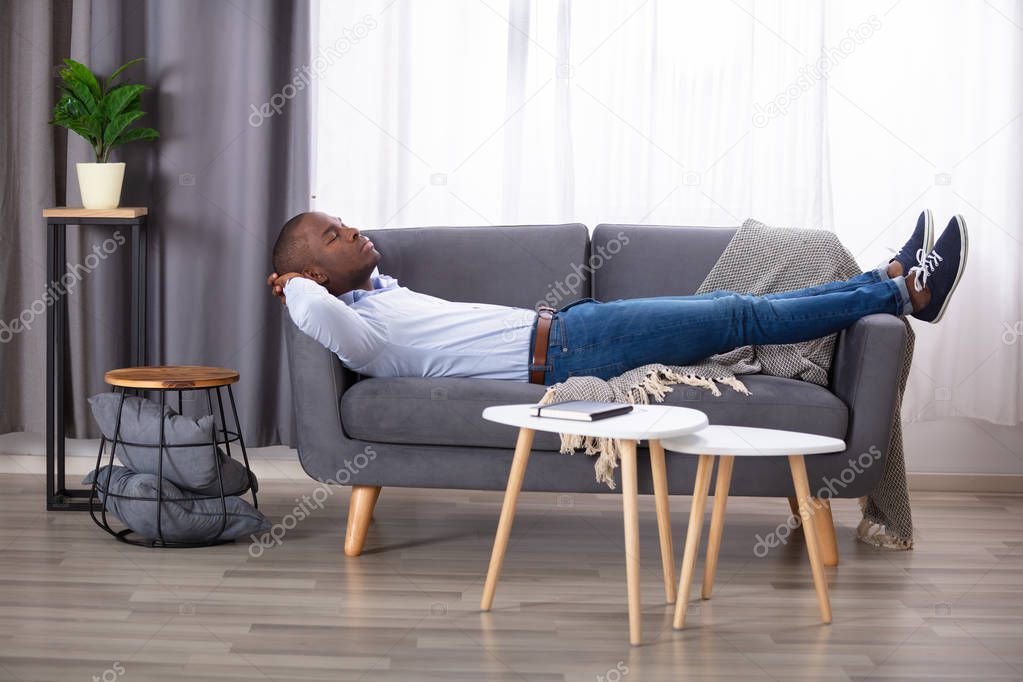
(504, 526)
(717, 524)
(659, 471)
(794, 507)
(802, 485)
(630, 513)
(825, 527)
(700, 487)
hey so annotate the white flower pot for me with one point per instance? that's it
(100, 184)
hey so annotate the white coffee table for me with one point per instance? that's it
(646, 422)
(729, 442)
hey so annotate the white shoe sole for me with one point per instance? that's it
(928, 231)
(963, 251)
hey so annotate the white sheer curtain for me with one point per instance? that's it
(847, 116)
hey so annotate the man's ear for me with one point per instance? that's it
(316, 276)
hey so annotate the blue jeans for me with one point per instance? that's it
(591, 338)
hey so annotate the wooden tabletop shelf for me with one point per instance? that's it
(171, 377)
(79, 212)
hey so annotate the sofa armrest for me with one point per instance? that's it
(317, 381)
(865, 375)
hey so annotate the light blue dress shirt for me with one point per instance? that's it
(392, 331)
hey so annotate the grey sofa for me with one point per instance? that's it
(428, 432)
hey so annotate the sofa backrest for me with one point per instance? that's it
(636, 261)
(519, 265)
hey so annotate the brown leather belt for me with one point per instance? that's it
(544, 318)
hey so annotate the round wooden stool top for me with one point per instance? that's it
(171, 376)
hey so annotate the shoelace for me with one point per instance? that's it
(927, 265)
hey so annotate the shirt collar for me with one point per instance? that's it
(380, 284)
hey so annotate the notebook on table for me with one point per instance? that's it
(581, 410)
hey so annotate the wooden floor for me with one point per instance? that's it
(75, 604)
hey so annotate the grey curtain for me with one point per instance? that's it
(218, 184)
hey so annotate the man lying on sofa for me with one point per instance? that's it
(381, 329)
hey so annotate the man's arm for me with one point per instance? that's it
(328, 320)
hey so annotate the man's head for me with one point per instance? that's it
(325, 250)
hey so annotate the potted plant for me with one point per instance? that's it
(103, 115)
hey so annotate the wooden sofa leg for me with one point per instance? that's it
(360, 513)
(825, 526)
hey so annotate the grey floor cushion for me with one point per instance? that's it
(193, 468)
(182, 518)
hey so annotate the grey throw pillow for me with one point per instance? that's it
(184, 520)
(194, 469)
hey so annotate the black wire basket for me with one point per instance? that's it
(222, 437)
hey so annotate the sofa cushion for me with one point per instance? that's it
(446, 411)
(774, 403)
(436, 411)
(519, 266)
(654, 260)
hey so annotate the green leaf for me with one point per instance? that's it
(118, 124)
(68, 105)
(82, 74)
(86, 126)
(62, 119)
(119, 70)
(122, 98)
(79, 112)
(79, 126)
(81, 92)
(136, 134)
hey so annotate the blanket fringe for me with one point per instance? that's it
(607, 449)
(877, 535)
(658, 382)
(548, 396)
(737, 385)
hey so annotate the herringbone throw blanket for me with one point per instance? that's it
(761, 260)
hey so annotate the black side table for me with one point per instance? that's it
(58, 496)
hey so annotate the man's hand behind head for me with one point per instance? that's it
(276, 283)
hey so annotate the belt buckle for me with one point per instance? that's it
(545, 309)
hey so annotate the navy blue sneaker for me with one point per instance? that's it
(941, 269)
(919, 244)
